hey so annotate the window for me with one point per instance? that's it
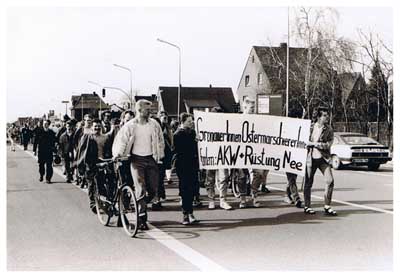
(246, 80)
(352, 104)
(252, 58)
(244, 97)
(259, 78)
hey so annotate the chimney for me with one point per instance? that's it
(283, 45)
(210, 86)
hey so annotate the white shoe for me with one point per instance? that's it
(211, 205)
(192, 219)
(256, 203)
(224, 205)
(242, 203)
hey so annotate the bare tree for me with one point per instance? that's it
(376, 58)
(312, 27)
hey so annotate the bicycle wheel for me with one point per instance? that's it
(102, 207)
(235, 183)
(128, 210)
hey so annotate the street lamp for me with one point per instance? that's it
(101, 87)
(130, 73)
(179, 86)
(118, 89)
(66, 104)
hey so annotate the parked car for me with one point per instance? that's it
(350, 148)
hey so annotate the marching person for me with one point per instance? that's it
(166, 161)
(106, 122)
(187, 165)
(46, 147)
(94, 147)
(219, 177)
(66, 145)
(25, 136)
(318, 157)
(36, 133)
(84, 128)
(258, 176)
(143, 139)
(13, 135)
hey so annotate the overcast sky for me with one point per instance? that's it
(53, 52)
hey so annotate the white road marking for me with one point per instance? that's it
(182, 250)
(334, 200)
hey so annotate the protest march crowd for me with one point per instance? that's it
(156, 147)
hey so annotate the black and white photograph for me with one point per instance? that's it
(201, 138)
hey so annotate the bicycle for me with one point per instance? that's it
(234, 182)
(116, 197)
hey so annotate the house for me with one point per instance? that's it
(264, 77)
(195, 98)
(354, 98)
(87, 104)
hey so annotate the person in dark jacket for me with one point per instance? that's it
(36, 133)
(25, 136)
(187, 165)
(66, 147)
(46, 147)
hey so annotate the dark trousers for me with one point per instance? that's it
(26, 144)
(291, 188)
(145, 176)
(46, 166)
(188, 188)
(161, 187)
(326, 170)
(68, 167)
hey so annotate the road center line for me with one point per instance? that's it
(334, 200)
(182, 250)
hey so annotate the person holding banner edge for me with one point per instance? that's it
(222, 177)
(318, 157)
(258, 176)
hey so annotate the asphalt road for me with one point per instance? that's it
(50, 227)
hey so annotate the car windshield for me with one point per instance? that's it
(358, 140)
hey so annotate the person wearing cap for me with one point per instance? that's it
(258, 175)
(142, 138)
(218, 178)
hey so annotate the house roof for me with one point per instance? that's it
(347, 82)
(273, 60)
(222, 96)
(87, 101)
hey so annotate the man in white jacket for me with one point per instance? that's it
(143, 139)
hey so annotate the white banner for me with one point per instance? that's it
(252, 141)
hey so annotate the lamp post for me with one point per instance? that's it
(287, 63)
(66, 104)
(101, 87)
(118, 89)
(180, 65)
(130, 74)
